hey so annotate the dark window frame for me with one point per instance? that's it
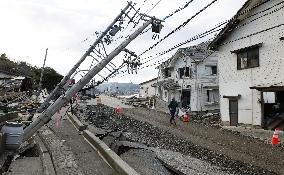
(184, 72)
(248, 57)
(167, 72)
(214, 70)
(187, 72)
(181, 72)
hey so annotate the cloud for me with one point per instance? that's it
(30, 26)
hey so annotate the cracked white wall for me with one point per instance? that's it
(271, 63)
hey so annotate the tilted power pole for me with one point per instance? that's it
(41, 76)
(42, 70)
(52, 109)
(82, 59)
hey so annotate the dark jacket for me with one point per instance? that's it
(173, 106)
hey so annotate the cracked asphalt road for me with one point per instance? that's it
(245, 150)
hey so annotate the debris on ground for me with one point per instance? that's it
(151, 135)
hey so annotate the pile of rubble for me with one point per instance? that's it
(211, 119)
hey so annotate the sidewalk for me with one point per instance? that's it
(71, 154)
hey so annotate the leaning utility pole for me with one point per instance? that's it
(82, 59)
(41, 77)
(42, 70)
(52, 109)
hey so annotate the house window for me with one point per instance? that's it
(185, 71)
(269, 97)
(213, 95)
(167, 73)
(211, 70)
(181, 72)
(248, 58)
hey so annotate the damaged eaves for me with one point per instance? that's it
(247, 48)
(234, 22)
(197, 53)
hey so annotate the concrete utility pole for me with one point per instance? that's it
(52, 109)
(41, 76)
(42, 70)
(82, 59)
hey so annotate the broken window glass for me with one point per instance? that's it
(213, 95)
(211, 70)
(187, 72)
(269, 97)
(214, 70)
(181, 72)
(248, 58)
(167, 73)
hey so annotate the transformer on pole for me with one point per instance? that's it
(59, 86)
(63, 99)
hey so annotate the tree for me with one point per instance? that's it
(50, 77)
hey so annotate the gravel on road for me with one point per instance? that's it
(232, 145)
(226, 150)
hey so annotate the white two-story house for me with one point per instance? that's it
(190, 76)
(147, 88)
(251, 65)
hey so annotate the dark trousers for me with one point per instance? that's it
(173, 117)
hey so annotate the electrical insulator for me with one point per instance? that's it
(114, 30)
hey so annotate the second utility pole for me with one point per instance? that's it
(52, 109)
(82, 59)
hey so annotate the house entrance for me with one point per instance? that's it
(185, 98)
(233, 112)
(273, 110)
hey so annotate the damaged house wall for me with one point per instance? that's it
(147, 88)
(264, 32)
(192, 76)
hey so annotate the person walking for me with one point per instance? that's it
(173, 107)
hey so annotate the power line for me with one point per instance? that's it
(168, 16)
(227, 21)
(172, 14)
(178, 10)
(220, 24)
(153, 7)
(179, 27)
(256, 33)
(135, 24)
(196, 37)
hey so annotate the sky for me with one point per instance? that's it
(67, 28)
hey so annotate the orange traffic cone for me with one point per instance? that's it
(117, 109)
(185, 118)
(275, 139)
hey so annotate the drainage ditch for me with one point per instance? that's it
(31, 150)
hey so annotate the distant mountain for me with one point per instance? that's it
(121, 88)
